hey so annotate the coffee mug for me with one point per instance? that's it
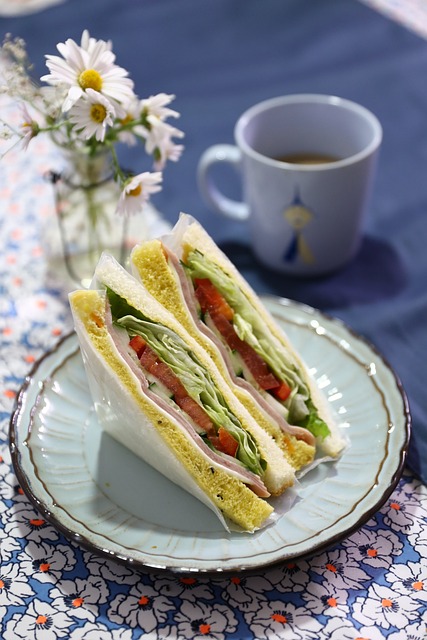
(307, 164)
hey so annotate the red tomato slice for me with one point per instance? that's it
(138, 344)
(228, 444)
(210, 298)
(283, 392)
(197, 413)
(162, 372)
(148, 358)
(212, 301)
(256, 365)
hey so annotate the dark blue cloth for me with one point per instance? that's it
(221, 56)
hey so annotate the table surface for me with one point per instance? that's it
(218, 60)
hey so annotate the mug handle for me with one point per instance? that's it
(220, 153)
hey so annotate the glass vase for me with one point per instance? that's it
(86, 197)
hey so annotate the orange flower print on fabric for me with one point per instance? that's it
(279, 616)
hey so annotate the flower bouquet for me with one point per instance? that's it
(88, 108)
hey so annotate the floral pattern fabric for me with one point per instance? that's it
(371, 585)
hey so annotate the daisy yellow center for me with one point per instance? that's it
(98, 113)
(90, 79)
(135, 192)
(124, 121)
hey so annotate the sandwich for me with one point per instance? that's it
(191, 277)
(158, 392)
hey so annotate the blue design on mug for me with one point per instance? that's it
(299, 217)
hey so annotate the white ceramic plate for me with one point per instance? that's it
(104, 498)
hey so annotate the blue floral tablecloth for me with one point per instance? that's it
(372, 585)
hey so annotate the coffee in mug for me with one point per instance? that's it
(306, 158)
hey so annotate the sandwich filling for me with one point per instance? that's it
(155, 430)
(176, 376)
(256, 356)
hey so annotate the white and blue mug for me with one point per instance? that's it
(307, 164)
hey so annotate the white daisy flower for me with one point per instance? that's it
(157, 106)
(131, 115)
(92, 114)
(159, 132)
(29, 127)
(88, 66)
(137, 192)
(91, 44)
(167, 150)
(159, 142)
(152, 111)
